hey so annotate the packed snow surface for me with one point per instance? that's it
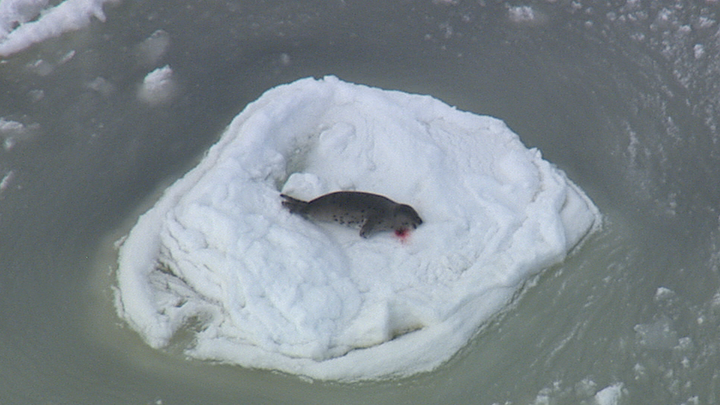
(219, 268)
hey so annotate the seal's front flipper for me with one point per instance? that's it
(294, 205)
(368, 228)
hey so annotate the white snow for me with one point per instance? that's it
(26, 22)
(219, 259)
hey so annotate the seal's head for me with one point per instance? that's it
(405, 217)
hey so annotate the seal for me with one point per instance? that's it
(371, 212)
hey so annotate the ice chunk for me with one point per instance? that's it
(219, 257)
(153, 48)
(609, 395)
(657, 335)
(12, 132)
(26, 22)
(158, 86)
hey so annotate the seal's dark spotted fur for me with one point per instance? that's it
(371, 212)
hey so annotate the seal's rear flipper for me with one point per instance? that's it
(293, 204)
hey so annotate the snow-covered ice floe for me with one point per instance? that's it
(219, 259)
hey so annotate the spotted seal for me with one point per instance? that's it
(371, 212)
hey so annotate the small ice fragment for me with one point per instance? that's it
(5, 182)
(153, 48)
(699, 51)
(657, 335)
(36, 95)
(67, 57)
(40, 67)
(12, 131)
(158, 86)
(586, 387)
(526, 15)
(521, 14)
(609, 395)
(663, 293)
(101, 86)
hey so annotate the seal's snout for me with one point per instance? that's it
(410, 214)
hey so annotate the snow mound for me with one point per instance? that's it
(220, 269)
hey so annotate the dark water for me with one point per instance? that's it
(622, 96)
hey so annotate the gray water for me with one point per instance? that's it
(625, 97)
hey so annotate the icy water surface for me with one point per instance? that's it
(622, 97)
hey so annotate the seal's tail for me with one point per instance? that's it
(293, 204)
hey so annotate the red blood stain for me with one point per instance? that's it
(402, 234)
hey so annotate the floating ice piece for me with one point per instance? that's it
(657, 335)
(158, 87)
(12, 132)
(26, 22)
(219, 259)
(153, 48)
(610, 395)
